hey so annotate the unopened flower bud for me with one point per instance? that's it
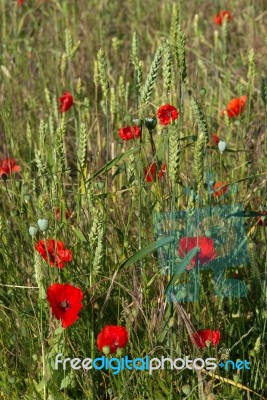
(222, 145)
(33, 230)
(119, 351)
(106, 350)
(236, 378)
(150, 123)
(137, 122)
(186, 389)
(27, 197)
(43, 224)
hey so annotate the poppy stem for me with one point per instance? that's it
(152, 143)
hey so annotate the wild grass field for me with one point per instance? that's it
(132, 197)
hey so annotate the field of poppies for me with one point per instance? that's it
(133, 226)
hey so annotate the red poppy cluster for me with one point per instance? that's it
(130, 132)
(54, 252)
(150, 171)
(112, 337)
(204, 337)
(214, 140)
(219, 189)
(65, 301)
(263, 220)
(218, 19)
(206, 252)
(58, 214)
(235, 107)
(167, 114)
(66, 102)
(9, 166)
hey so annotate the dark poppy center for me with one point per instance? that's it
(64, 305)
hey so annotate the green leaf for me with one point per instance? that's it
(59, 330)
(79, 235)
(244, 214)
(181, 267)
(113, 162)
(67, 380)
(147, 250)
(193, 137)
(228, 150)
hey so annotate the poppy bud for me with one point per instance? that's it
(33, 230)
(236, 378)
(222, 145)
(119, 351)
(27, 197)
(186, 389)
(151, 123)
(137, 122)
(106, 350)
(43, 224)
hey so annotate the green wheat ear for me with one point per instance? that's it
(113, 104)
(138, 77)
(180, 54)
(42, 170)
(68, 44)
(201, 120)
(99, 251)
(175, 21)
(82, 147)
(251, 69)
(199, 156)
(151, 78)
(1, 226)
(135, 48)
(102, 70)
(264, 90)
(174, 154)
(39, 277)
(167, 69)
(60, 151)
(97, 216)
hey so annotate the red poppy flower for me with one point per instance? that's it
(8, 166)
(150, 171)
(206, 249)
(113, 336)
(214, 140)
(66, 102)
(54, 252)
(167, 113)
(20, 3)
(58, 214)
(202, 336)
(162, 171)
(65, 301)
(130, 132)
(262, 220)
(219, 189)
(218, 19)
(235, 107)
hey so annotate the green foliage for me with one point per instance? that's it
(77, 161)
